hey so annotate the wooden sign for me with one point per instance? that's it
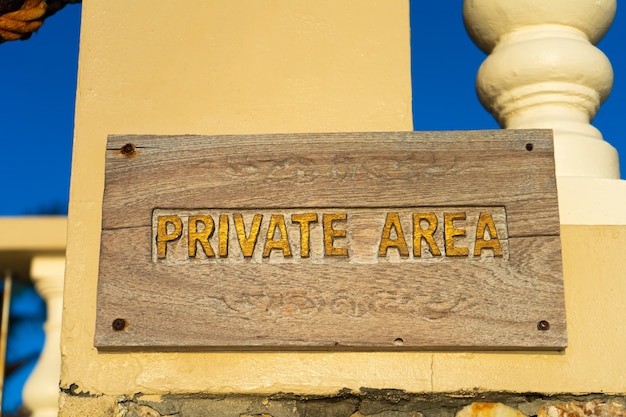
(395, 240)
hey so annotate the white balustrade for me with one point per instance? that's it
(543, 71)
(41, 392)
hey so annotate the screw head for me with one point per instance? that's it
(543, 325)
(529, 147)
(119, 324)
(128, 149)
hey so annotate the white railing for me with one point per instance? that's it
(543, 71)
(41, 392)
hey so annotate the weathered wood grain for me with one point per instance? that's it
(325, 170)
(356, 302)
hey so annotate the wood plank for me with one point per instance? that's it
(428, 305)
(315, 170)
(362, 299)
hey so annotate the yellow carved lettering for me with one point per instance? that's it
(277, 221)
(450, 233)
(247, 242)
(485, 221)
(426, 234)
(163, 236)
(393, 222)
(223, 234)
(202, 236)
(305, 221)
(330, 234)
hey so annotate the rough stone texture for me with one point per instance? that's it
(481, 409)
(256, 415)
(593, 408)
(346, 403)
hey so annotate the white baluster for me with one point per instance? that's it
(41, 392)
(544, 71)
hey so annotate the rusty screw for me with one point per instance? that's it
(128, 149)
(119, 324)
(543, 325)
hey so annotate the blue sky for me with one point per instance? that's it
(38, 78)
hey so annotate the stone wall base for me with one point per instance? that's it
(364, 403)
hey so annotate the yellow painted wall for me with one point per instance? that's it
(265, 66)
(41, 233)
